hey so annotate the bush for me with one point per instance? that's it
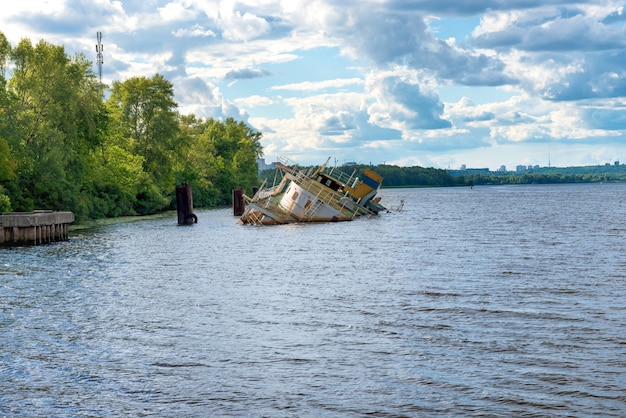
(5, 203)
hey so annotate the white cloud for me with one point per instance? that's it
(243, 27)
(254, 101)
(523, 119)
(223, 58)
(205, 100)
(234, 24)
(403, 101)
(194, 31)
(326, 117)
(177, 11)
(47, 7)
(319, 85)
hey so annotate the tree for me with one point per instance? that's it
(52, 114)
(149, 123)
(63, 148)
(7, 164)
(222, 156)
(5, 54)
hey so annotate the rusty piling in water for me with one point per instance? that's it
(239, 204)
(184, 205)
(38, 227)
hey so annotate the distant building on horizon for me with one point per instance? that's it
(528, 167)
(262, 165)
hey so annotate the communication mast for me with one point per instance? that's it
(100, 58)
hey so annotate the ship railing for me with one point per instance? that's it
(334, 171)
(313, 209)
(287, 162)
(340, 175)
(360, 210)
(313, 187)
(324, 195)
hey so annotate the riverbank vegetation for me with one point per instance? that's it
(69, 143)
(395, 176)
(543, 175)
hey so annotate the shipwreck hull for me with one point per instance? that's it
(316, 197)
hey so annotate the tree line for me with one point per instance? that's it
(395, 176)
(541, 178)
(544, 175)
(64, 146)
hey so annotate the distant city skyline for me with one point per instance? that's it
(264, 164)
(533, 166)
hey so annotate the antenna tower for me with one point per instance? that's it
(100, 59)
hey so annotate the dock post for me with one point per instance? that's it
(239, 204)
(184, 205)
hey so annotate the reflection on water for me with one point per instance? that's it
(497, 300)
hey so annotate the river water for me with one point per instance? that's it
(496, 301)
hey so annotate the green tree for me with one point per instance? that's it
(7, 165)
(63, 148)
(223, 157)
(53, 113)
(117, 173)
(199, 166)
(149, 122)
(5, 54)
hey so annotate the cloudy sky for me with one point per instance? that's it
(408, 82)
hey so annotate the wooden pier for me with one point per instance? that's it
(39, 227)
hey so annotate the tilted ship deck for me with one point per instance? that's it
(319, 194)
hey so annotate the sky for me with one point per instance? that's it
(430, 83)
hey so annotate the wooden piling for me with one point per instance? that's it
(184, 205)
(239, 204)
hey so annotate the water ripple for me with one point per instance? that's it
(500, 301)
